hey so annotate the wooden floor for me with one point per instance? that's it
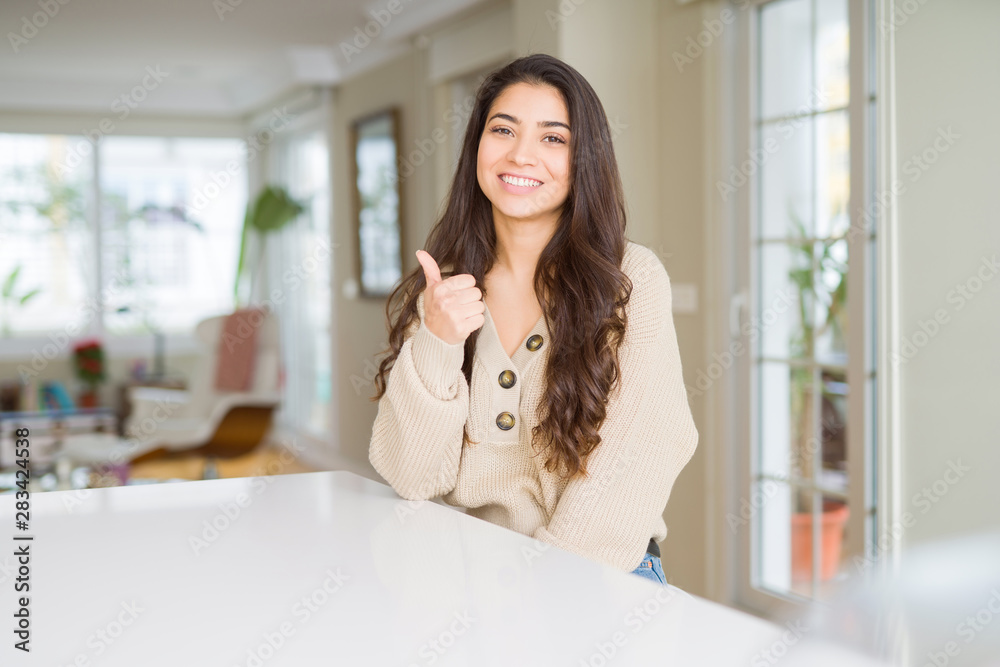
(266, 460)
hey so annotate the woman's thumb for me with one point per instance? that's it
(431, 271)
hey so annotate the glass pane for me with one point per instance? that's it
(802, 536)
(46, 251)
(832, 49)
(829, 290)
(833, 430)
(786, 179)
(773, 552)
(309, 353)
(801, 75)
(830, 533)
(833, 174)
(785, 47)
(805, 447)
(785, 421)
(788, 447)
(785, 301)
(315, 160)
(379, 199)
(172, 215)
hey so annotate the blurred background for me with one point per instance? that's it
(203, 206)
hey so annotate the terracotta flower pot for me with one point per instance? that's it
(89, 398)
(834, 518)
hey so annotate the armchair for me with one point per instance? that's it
(207, 421)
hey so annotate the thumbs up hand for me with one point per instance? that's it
(453, 308)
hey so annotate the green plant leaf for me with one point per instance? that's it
(29, 296)
(272, 209)
(8, 284)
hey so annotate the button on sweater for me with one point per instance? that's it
(647, 438)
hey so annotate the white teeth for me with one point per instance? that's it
(522, 182)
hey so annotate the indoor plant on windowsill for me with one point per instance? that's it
(828, 302)
(88, 362)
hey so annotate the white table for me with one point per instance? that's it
(331, 568)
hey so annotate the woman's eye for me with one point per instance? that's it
(551, 139)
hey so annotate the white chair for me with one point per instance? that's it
(204, 421)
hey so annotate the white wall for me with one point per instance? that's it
(680, 212)
(947, 58)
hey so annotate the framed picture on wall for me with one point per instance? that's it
(378, 207)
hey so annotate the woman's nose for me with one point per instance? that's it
(522, 152)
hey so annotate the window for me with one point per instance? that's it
(46, 242)
(810, 378)
(165, 247)
(170, 230)
(302, 256)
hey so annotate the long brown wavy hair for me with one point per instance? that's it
(578, 280)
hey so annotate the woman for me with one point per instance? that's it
(537, 381)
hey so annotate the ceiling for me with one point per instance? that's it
(211, 57)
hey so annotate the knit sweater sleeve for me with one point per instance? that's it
(647, 437)
(417, 434)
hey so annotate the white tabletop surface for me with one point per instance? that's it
(331, 568)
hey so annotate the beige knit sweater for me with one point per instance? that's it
(647, 437)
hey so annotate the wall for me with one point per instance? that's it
(682, 218)
(361, 332)
(947, 58)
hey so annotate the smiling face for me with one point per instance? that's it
(523, 162)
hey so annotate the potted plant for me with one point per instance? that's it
(88, 363)
(271, 211)
(827, 301)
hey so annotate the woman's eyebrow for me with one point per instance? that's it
(517, 121)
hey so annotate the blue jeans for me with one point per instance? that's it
(651, 568)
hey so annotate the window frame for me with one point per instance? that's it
(872, 438)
